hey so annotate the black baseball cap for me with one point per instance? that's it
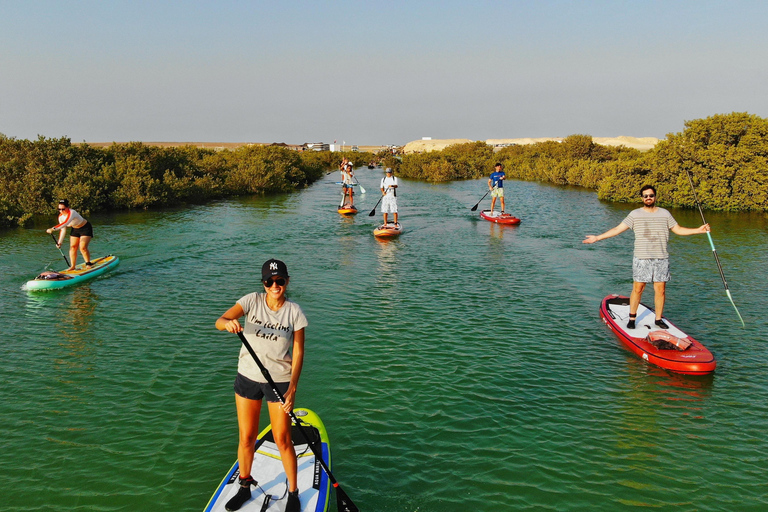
(272, 268)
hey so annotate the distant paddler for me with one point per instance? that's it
(496, 185)
(346, 183)
(79, 237)
(389, 193)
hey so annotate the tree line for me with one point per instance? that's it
(34, 175)
(725, 154)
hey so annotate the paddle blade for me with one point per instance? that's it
(343, 503)
(362, 190)
(373, 212)
(728, 292)
(474, 208)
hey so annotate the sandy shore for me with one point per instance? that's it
(416, 146)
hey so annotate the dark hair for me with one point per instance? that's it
(646, 187)
(498, 164)
(64, 202)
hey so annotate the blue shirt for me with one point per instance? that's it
(496, 179)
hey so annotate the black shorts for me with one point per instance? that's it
(253, 390)
(86, 230)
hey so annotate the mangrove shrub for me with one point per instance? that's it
(34, 175)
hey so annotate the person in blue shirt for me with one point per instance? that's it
(496, 185)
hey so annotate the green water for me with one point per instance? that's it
(461, 367)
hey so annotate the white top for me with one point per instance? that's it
(346, 174)
(70, 219)
(386, 184)
(270, 334)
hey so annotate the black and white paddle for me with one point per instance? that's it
(362, 190)
(474, 208)
(714, 251)
(343, 503)
(373, 212)
(59, 248)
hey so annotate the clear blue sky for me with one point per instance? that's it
(370, 72)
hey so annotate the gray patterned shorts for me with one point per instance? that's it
(650, 270)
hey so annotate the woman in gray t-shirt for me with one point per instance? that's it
(274, 327)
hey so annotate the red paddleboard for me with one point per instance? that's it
(670, 349)
(388, 230)
(498, 217)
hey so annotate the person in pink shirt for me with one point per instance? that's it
(79, 237)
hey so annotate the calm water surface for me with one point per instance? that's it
(462, 367)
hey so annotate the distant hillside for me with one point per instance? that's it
(423, 146)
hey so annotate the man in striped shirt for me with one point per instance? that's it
(650, 263)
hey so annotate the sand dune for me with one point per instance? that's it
(421, 146)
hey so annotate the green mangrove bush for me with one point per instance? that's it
(725, 154)
(34, 175)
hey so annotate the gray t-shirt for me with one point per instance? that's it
(270, 333)
(651, 232)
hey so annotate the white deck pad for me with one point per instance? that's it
(267, 470)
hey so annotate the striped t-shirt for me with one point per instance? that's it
(651, 232)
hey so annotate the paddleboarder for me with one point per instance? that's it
(496, 185)
(274, 327)
(346, 182)
(650, 263)
(389, 193)
(80, 236)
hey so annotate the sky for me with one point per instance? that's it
(375, 73)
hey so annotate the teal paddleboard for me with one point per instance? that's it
(49, 280)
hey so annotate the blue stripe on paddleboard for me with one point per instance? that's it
(324, 495)
(223, 484)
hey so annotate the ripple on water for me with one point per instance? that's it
(460, 367)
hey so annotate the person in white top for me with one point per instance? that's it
(346, 182)
(388, 190)
(80, 236)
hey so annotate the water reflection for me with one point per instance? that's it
(386, 251)
(347, 256)
(499, 230)
(75, 307)
(496, 244)
(655, 396)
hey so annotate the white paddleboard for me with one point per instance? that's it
(314, 486)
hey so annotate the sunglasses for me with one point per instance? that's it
(61, 209)
(645, 196)
(279, 282)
